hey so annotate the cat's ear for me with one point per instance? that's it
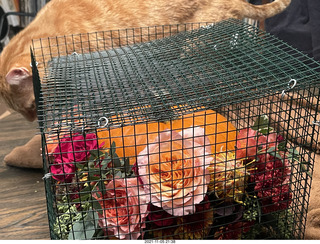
(18, 76)
(21, 85)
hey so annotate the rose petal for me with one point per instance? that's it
(127, 221)
(190, 147)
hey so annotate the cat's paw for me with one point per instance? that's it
(26, 156)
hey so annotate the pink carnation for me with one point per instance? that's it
(275, 199)
(272, 176)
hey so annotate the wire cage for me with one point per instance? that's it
(194, 131)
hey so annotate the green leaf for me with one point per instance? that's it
(265, 131)
(104, 167)
(94, 171)
(80, 166)
(92, 177)
(99, 232)
(261, 123)
(293, 158)
(282, 146)
(82, 198)
(127, 166)
(275, 154)
(107, 158)
(303, 169)
(84, 229)
(118, 174)
(116, 162)
(102, 187)
(271, 149)
(91, 164)
(87, 189)
(96, 206)
(96, 154)
(293, 151)
(112, 149)
(105, 161)
(92, 156)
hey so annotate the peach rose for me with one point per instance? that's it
(174, 172)
(125, 208)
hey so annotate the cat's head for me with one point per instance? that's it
(16, 85)
(17, 91)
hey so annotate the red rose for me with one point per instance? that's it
(71, 149)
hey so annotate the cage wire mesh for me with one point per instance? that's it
(195, 131)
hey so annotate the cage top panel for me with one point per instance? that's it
(187, 69)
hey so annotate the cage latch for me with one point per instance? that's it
(316, 123)
(103, 122)
(47, 176)
(291, 84)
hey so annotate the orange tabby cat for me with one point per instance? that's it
(64, 17)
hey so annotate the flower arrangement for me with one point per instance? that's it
(177, 189)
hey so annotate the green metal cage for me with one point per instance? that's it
(193, 131)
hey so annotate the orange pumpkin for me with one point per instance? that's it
(132, 139)
(221, 134)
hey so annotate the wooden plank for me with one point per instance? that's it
(23, 212)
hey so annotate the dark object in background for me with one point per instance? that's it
(5, 28)
(299, 26)
(28, 10)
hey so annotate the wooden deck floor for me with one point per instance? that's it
(22, 197)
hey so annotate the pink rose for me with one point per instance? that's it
(70, 150)
(174, 172)
(250, 141)
(268, 141)
(125, 208)
(246, 143)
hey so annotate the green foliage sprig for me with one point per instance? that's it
(69, 215)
